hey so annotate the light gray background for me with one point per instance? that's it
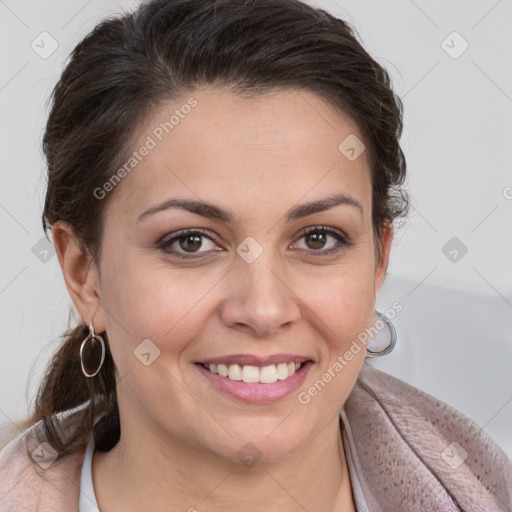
(455, 329)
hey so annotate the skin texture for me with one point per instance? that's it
(258, 158)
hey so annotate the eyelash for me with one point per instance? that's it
(342, 240)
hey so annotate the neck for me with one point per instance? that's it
(145, 472)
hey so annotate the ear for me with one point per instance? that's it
(385, 247)
(80, 275)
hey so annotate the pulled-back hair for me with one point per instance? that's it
(129, 65)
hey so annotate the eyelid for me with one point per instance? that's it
(183, 232)
(344, 241)
(328, 229)
(167, 241)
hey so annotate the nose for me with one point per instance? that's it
(261, 300)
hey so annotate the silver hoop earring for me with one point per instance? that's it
(383, 342)
(89, 355)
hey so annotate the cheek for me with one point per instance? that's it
(346, 302)
(150, 321)
(143, 301)
(343, 311)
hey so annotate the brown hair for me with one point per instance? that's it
(130, 64)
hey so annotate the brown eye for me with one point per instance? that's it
(188, 241)
(316, 239)
(322, 241)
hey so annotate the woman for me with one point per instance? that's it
(223, 181)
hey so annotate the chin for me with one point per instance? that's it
(259, 440)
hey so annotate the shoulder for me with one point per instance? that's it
(33, 476)
(420, 446)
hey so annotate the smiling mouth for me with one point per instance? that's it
(254, 374)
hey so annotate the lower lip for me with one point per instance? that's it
(256, 391)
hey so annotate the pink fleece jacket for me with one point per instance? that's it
(412, 453)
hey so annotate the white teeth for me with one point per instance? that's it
(235, 372)
(282, 371)
(268, 374)
(248, 373)
(223, 370)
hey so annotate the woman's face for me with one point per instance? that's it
(251, 288)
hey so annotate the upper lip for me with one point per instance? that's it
(254, 360)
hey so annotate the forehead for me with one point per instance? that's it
(261, 151)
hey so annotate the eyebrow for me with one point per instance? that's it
(214, 212)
